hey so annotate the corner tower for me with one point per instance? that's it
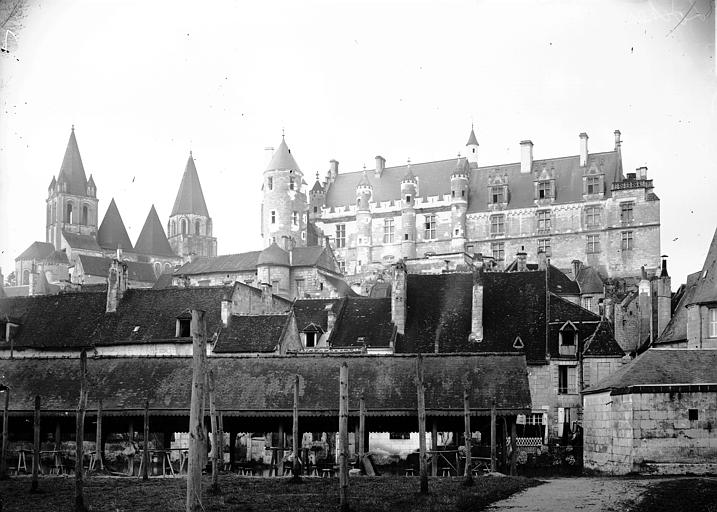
(71, 199)
(190, 226)
(284, 205)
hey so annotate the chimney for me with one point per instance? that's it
(476, 335)
(583, 149)
(333, 170)
(641, 173)
(398, 297)
(226, 308)
(644, 309)
(577, 265)
(118, 256)
(330, 318)
(526, 156)
(522, 260)
(542, 260)
(116, 285)
(664, 298)
(380, 165)
(609, 307)
(266, 298)
(618, 141)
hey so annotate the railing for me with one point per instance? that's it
(630, 184)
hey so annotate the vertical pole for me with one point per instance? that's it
(36, 445)
(505, 444)
(513, 451)
(99, 444)
(295, 431)
(467, 435)
(232, 447)
(362, 430)
(145, 452)
(3, 455)
(220, 437)
(58, 435)
(197, 438)
(80, 434)
(279, 455)
(344, 436)
(492, 437)
(421, 424)
(215, 433)
(130, 459)
(434, 447)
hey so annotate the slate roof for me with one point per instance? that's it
(589, 281)
(434, 179)
(72, 171)
(190, 198)
(57, 257)
(98, 266)
(152, 239)
(155, 312)
(602, 342)
(163, 281)
(308, 311)
(558, 282)
(37, 251)
(313, 256)
(282, 158)
(263, 386)
(364, 322)
(472, 140)
(112, 232)
(242, 262)
(341, 287)
(273, 255)
(706, 285)
(64, 321)
(676, 330)
(664, 367)
(251, 333)
(78, 241)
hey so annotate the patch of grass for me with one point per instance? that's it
(680, 495)
(367, 494)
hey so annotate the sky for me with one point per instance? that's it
(146, 82)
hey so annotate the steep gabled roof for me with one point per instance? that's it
(37, 251)
(589, 281)
(706, 286)
(190, 198)
(282, 158)
(78, 241)
(315, 311)
(676, 330)
(364, 322)
(72, 171)
(274, 255)
(602, 342)
(251, 333)
(112, 232)
(99, 267)
(153, 240)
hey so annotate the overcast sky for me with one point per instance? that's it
(145, 82)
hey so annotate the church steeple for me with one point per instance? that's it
(112, 233)
(152, 240)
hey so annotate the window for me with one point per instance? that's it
(68, 216)
(310, 339)
(533, 425)
(85, 215)
(497, 224)
(388, 231)
(340, 235)
(291, 183)
(626, 213)
(275, 286)
(430, 225)
(270, 183)
(544, 220)
(184, 327)
(26, 277)
(408, 199)
(497, 195)
(593, 185)
(295, 218)
(626, 243)
(544, 190)
(273, 216)
(316, 209)
(568, 337)
(693, 415)
(196, 228)
(712, 323)
(592, 216)
(587, 303)
(399, 435)
(172, 228)
(544, 245)
(184, 226)
(567, 380)
(498, 250)
(593, 244)
(342, 266)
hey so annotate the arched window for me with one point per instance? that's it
(184, 226)
(85, 215)
(209, 227)
(157, 268)
(167, 267)
(26, 277)
(68, 216)
(173, 226)
(196, 228)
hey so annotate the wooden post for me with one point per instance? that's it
(130, 458)
(492, 437)
(99, 441)
(280, 454)
(434, 447)
(296, 471)
(423, 470)
(80, 434)
(36, 445)
(197, 437)
(467, 435)
(362, 430)
(220, 436)
(145, 452)
(344, 436)
(3, 460)
(215, 431)
(58, 435)
(505, 444)
(232, 448)
(513, 450)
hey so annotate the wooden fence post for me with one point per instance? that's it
(434, 447)
(467, 434)
(36, 445)
(215, 434)
(3, 460)
(197, 438)
(80, 434)
(145, 452)
(344, 436)
(362, 430)
(98, 442)
(513, 449)
(423, 470)
(492, 437)
(296, 472)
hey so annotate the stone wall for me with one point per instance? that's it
(596, 369)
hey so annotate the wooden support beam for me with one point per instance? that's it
(220, 436)
(344, 437)
(467, 438)
(145, 452)
(232, 448)
(80, 434)
(130, 459)
(295, 468)
(215, 434)
(362, 430)
(36, 445)
(99, 440)
(421, 400)
(197, 437)
(504, 466)
(434, 447)
(493, 433)
(513, 449)
(3, 455)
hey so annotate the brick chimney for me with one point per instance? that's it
(577, 265)
(664, 298)
(641, 173)
(476, 335)
(116, 284)
(398, 297)
(226, 308)
(526, 156)
(522, 257)
(542, 260)
(380, 165)
(583, 149)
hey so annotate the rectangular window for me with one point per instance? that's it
(273, 216)
(567, 380)
(291, 183)
(408, 199)
(310, 339)
(592, 216)
(626, 213)
(430, 226)
(184, 327)
(497, 195)
(593, 244)
(498, 250)
(544, 220)
(295, 218)
(340, 235)
(544, 190)
(587, 303)
(497, 224)
(712, 323)
(388, 231)
(544, 245)
(275, 287)
(316, 209)
(593, 185)
(342, 266)
(626, 243)
(270, 183)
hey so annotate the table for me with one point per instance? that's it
(440, 453)
(166, 461)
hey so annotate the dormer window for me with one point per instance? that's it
(408, 199)
(184, 325)
(568, 339)
(312, 334)
(497, 195)
(544, 190)
(592, 184)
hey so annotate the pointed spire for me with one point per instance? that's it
(72, 172)
(364, 182)
(472, 140)
(112, 232)
(318, 187)
(153, 240)
(190, 198)
(282, 159)
(409, 176)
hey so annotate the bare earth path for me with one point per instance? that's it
(584, 494)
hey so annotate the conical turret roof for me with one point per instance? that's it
(112, 232)
(190, 198)
(282, 159)
(472, 140)
(153, 239)
(72, 172)
(364, 182)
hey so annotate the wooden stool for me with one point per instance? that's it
(408, 472)
(445, 471)
(327, 473)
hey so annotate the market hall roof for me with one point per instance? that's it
(190, 198)
(112, 233)
(263, 385)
